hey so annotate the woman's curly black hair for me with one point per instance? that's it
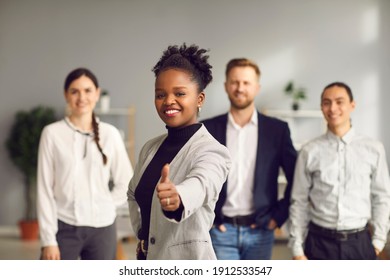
(191, 59)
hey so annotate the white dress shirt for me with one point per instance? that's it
(73, 181)
(340, 183)
(242, 145)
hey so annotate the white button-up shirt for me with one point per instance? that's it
(242, 145)
(340, 183)
(73, 182)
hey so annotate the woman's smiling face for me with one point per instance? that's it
(177, 98)
(82, 96)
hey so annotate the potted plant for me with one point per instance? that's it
(105, 101)
(297, 94)
(22, 145)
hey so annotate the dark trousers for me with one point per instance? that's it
(356, 247)
(86, 243)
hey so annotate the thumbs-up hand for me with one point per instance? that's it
(166, 191)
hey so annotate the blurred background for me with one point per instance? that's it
(309, 42)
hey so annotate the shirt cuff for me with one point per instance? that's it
(378, 244)
(297, 251)
(48, 242)
(176, 215)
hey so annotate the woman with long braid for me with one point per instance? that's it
(77, 156)
(177, 200)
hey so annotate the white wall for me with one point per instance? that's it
(312, 42)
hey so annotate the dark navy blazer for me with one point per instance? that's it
(274, 151)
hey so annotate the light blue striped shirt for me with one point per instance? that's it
(340, 183)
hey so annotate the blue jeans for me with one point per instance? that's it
(242, 243)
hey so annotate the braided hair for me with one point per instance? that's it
(95, 126)
(191, 59)
(74, 75)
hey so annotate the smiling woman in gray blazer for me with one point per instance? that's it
(179, 175)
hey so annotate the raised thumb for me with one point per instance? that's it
(165, 174)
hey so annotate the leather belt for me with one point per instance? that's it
(339, 235)
(240, 220)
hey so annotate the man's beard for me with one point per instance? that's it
(240, 106)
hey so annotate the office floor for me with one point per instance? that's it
(13, 248)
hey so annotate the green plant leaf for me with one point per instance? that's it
(22, 146)
(289, 88)
(300, 94)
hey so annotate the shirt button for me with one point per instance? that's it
(152, 240)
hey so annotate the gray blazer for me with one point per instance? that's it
(198, 171)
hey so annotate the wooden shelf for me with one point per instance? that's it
(293, 114)
(130, 114)
(300, 123)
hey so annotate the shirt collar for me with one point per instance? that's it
(347, 138)
(74, 128)
(252, 121)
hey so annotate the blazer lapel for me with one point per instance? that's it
(264, 145)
